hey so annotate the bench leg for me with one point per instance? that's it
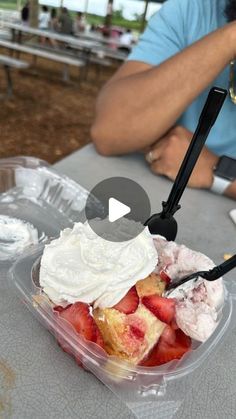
(9, 81)
(87, 65)
(18, 54)
(83, 72)
(13, 35)
(34, 60)
(98, 71)
(65, 73)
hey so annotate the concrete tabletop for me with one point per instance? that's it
(38, 380)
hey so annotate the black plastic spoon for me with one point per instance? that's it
(164, 223)
(210, 275)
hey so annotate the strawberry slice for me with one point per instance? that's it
(163, 308)
(182, 339)
(171, 345)
(161, 356)
(168, 335)
(173, 324)
(78, 316)
(98, 338)
(129, 303)
(163, 275)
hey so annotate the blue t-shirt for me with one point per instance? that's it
(176, 25)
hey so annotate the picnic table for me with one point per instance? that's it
(54, 54)
(82, 51)
(48, 383)
(100, 38)
(18, 30)
(85, 42)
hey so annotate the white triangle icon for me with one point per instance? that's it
(117, 210)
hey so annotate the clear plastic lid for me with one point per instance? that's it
(36, 203)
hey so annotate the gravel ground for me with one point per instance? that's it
(46, 117)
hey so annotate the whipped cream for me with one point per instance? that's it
(81, 266)
(15, 236)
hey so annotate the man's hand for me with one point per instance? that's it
(166, 156)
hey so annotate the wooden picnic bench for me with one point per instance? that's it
(54, 56)
(8, 63)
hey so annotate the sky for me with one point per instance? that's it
(98, 7)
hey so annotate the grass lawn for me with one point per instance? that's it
(98, 20)
(11, 4)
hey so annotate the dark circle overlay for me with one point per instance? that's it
(127, 192)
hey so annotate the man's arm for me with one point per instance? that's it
(141, 103)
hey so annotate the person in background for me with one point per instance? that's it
(126, 40)
(44, 18)
(79, 23)
(154, 100)
(93, 28)
(25, 14)
(44, 24)
(65, 22)
(53, 20)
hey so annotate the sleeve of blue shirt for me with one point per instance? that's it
(165, 34)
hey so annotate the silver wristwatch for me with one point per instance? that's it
(223, 174)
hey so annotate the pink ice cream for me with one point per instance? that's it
(199, 303)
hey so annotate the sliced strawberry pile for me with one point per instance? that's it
(129, 303)
(173, 344)
(79, 317)
(163, 308)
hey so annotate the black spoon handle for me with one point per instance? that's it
(207, 119)
(221, 269)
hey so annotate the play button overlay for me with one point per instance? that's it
(117, 210)
(126, 207)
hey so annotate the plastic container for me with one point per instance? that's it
(31, 191)
(132, 384)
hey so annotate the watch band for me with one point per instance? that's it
(219, 184)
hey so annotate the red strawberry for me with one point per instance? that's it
(182, 339)
(129, 303)
(166, 349)
(173, 324)
(78, 316)
(163, 275)
(98, 338)
(66, 347)
(162, 308)
(59, 308)
(168, 336)
(170, 353)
